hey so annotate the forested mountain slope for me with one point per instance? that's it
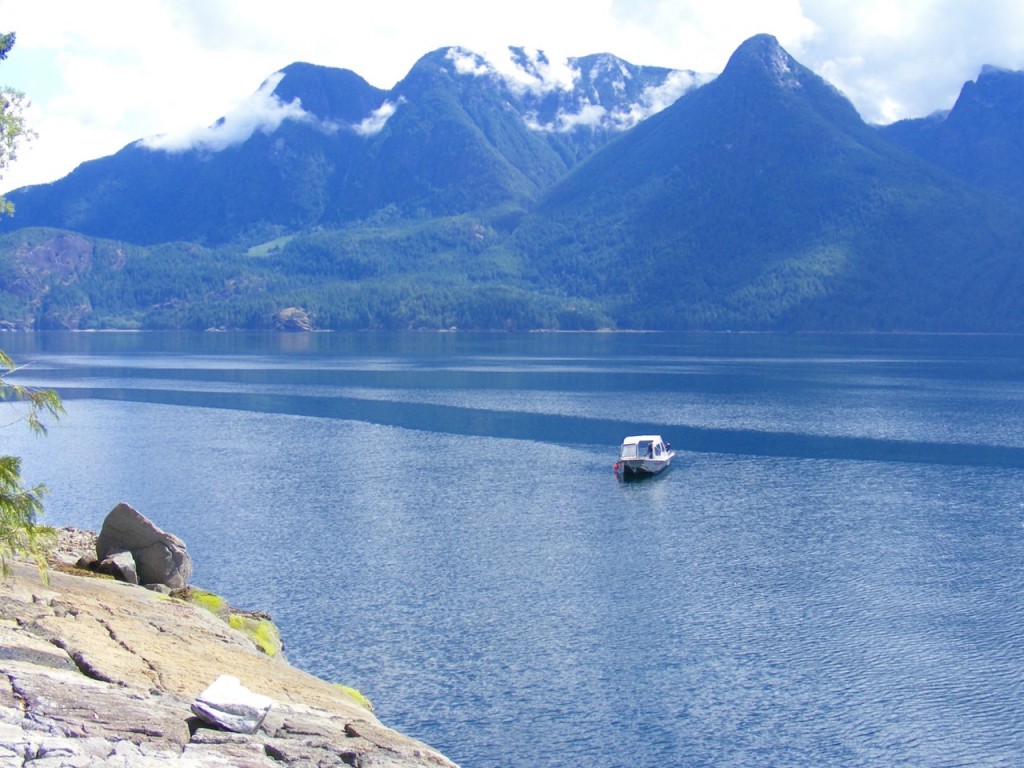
(762, 200)
(538, 194)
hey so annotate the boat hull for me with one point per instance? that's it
(641, 467)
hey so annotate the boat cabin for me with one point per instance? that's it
(643, 447)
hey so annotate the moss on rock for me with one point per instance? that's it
(260, 629)
(358, 696)
(209, 601)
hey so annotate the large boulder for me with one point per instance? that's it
(160, 557)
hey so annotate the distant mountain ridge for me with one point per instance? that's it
(980, 139)
(763, 200)
(321, 146)
(532, 193)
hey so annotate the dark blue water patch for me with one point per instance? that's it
(572, 430)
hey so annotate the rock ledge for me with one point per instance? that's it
(94, 672)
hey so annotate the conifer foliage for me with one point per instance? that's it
(20, 507)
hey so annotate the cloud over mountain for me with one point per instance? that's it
(652, 100)
(374, 123)
(262, 111)
(522, 70)
(531, 74)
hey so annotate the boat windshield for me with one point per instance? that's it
(643, 449)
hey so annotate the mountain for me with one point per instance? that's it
(762, 200)
(318, 146)
(465, 136)
(981, 139)
(529, 193)
(217, 187)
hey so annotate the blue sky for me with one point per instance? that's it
(103, 73)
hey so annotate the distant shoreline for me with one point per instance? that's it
(500, 332)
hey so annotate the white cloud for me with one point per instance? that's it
(700, 36)
(589, 116)
(263, 111)
(469, 63)
(541, 73)
(544, 75)
(375, 121)
(909, 58)
(653, 100)
(656, 98)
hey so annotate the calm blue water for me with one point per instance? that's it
(831, 574)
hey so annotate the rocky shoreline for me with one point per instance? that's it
(96, 672)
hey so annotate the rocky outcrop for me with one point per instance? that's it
(160, 557)
(293, 319)
(95, 672)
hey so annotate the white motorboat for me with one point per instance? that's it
(642, 455)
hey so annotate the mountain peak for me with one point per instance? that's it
(762, 75)
(759, 45)
(989, 72)
(997, 91)
(328, 92)
(762, 56)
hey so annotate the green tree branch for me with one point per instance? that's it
(20, 534)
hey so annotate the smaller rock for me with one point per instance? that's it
(230, 706)
(352, 731)
(120, 565)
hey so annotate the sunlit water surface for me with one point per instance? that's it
(832, 573)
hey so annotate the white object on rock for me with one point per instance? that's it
(230, 706)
